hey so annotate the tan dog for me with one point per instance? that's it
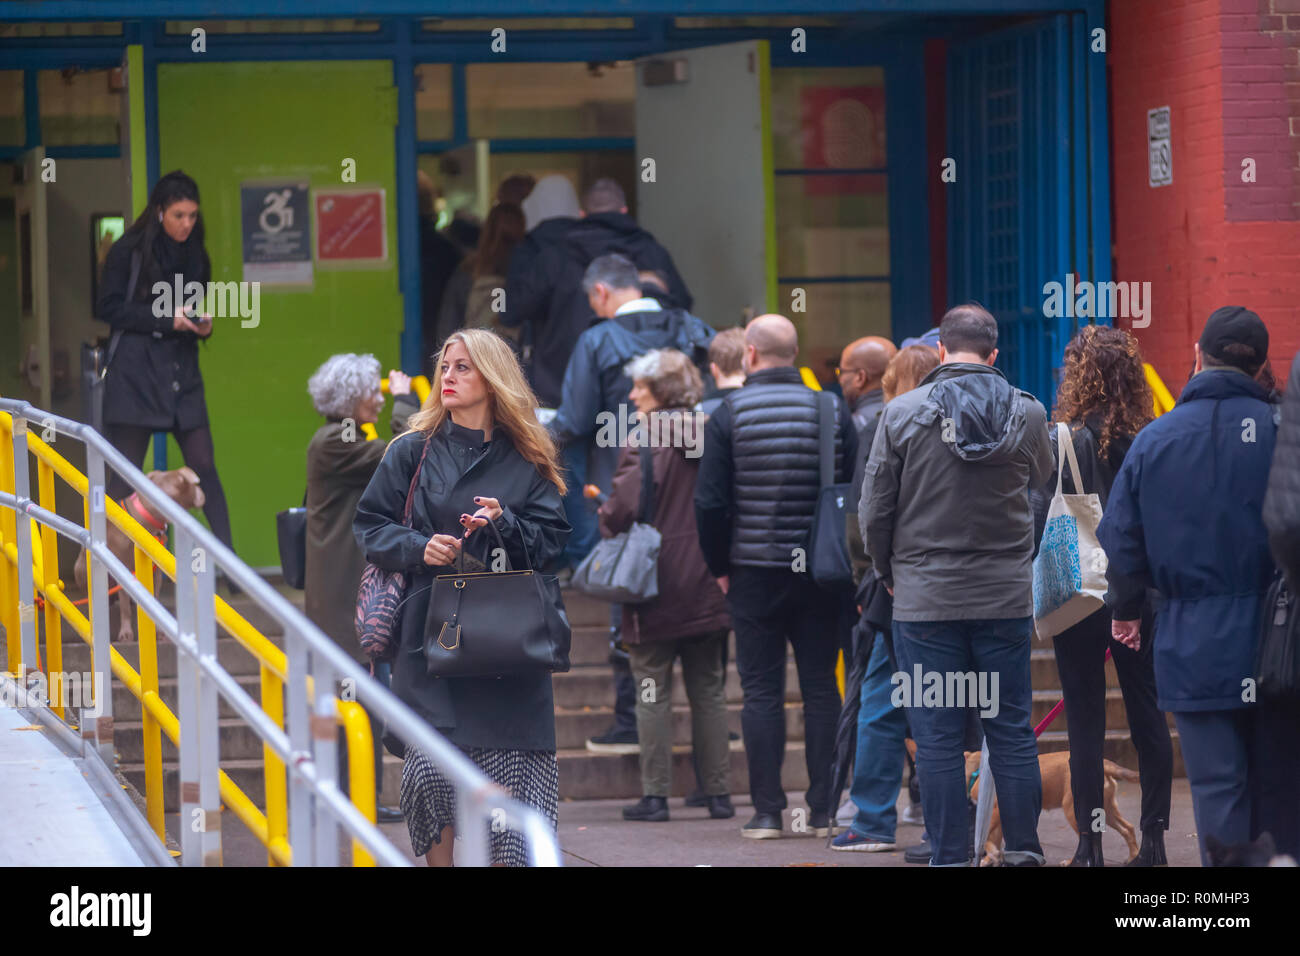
(181, 486)
(1054, 768)
(1055, 771)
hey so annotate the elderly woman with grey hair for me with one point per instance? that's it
(340, 463)
(689, 618)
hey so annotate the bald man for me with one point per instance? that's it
(861, 374)
(754, 502)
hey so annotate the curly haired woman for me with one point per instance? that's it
(1105, 400)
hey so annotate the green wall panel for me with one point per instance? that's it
(229, 123)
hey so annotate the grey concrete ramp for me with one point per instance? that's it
(51, 811)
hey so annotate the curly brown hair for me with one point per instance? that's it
(1103, 376)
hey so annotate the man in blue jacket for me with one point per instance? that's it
(1185, 517)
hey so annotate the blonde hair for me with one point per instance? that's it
(510, 400)
(907, 368)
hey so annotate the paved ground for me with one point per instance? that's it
(593, 833)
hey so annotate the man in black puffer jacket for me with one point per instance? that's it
(754, 501)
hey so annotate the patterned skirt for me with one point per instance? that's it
(428, 799)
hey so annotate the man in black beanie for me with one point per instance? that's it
(1184, 516)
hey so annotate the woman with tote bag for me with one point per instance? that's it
(1105, 400)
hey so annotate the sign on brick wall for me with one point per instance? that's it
(1160, 155)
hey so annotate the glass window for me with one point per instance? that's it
(60, 29)
(487, 25)
(78, 108)
(12, 118)
(521, 100)
(341, 25)
(433, 101)
(832, 225)
(835, 313)
(831, 118)
(733, 23)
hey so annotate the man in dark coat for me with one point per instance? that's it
(754, 502)
(544, 285)
(1185, 517)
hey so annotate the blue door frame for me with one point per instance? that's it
(889, 39)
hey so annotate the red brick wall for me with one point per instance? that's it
(1229, 70)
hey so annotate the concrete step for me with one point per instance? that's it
(574, 727)
(1116, 715)
(1043, 674)
(1118, 747)
(589, 776)
(593, 686)
(126, 707)
(231, 654)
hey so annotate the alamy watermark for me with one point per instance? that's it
(626, 428)
(1099, 300)
(225, 300)
(74, 690)
(946, 689)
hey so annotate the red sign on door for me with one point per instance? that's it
(843, 127)
(350, 226)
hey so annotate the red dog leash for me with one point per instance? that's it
(1051, 714)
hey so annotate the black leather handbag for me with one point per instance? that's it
(291, 536)
(1277, 662)
(496, 623)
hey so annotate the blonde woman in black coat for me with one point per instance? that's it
(488, 459)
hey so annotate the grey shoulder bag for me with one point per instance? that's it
(624, 569)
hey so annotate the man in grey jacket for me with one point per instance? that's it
(946, 519)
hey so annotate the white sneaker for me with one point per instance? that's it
(845, 814)
(913, 815)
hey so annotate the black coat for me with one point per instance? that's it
(516, 713)
(544, 286)
(153, 380)
(1282, 503)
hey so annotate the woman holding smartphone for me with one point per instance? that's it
(152, 382)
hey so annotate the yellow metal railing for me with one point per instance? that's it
(1163, 399)
(271, 827)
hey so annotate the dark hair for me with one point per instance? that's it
(1236, 355)
(1103, 375)
(969, 328)
(502, 231)
(175, 187)
(612, 271)
(604, 195)
(515, 188)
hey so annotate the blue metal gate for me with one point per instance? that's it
(1019, 213)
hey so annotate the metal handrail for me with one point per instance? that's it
(313, 664)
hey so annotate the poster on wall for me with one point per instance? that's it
(275, 222)
(351, 228)
(843, 127)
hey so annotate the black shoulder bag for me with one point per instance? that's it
(496, 623)
(828, 547)
(1277, 665)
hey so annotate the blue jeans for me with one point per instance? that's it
(878, 765)
(577, 510)
(994, 650)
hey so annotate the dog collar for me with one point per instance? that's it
(138, 511)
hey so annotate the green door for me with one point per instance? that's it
(256, 126)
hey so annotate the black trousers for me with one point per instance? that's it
(768, 607)
(196, 447)
(1081, 660)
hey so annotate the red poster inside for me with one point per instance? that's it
(350, 226)
(843, 127)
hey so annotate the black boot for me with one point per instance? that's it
(1152, 851)
(650, 810)
(1089, 851)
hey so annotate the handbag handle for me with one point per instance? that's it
(1065, 451)
(460, 557)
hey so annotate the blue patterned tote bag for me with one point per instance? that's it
(1070, 570)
